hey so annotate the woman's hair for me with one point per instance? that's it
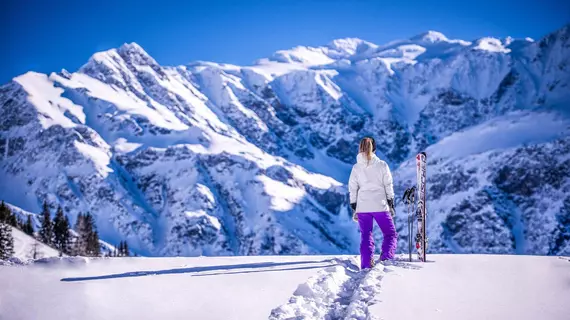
(367, 147)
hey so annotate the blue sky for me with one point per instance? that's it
(47, 36)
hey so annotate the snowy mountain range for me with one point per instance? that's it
(218, 159)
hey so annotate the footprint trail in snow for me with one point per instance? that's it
(340, 291)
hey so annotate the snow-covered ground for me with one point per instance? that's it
(478, 287)
(289, 287)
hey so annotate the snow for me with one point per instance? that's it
(341, 292)
(128, 288)
(100, 158)
(307, 90)
(196, 214)
(288, 287)
(477, 287)
(350, 46)
(316, 180)
(407, 51)
(323, 79)
(48, 101)
(124, 102)
(320, 56)
(504, 132)
(283, 197)
(273, 69)
(491, 45)
(508, 40)
(206, 192)
(433, 37)
(24, 247)
(121, 145)
(306, 56)
(217, 86)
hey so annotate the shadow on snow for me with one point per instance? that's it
(259, 265)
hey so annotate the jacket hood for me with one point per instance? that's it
(361, 158)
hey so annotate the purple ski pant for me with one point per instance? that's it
(366, 222)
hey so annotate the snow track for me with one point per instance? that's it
(341, 291)
(470, 287)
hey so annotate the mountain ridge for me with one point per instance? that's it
(210, 158)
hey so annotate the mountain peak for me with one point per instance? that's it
(433, 37)
(346, 42)
(350, 46)
(132, 47)
(430, 36)
(131, 52)
(110, 61)
(135, 53)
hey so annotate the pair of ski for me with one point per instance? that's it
(419, 208)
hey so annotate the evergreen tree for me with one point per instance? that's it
(28, 227)
(121, 249)
(12, 219)
(68, 227)
(46, 231)
(93, 247)
(126, 249)
(79, 247)
(87, 243)
(6, 241)
(61, 232)
(20, 222)
(4, 212)
(7, 216)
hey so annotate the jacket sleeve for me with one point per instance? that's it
(353, 186)
(388, 184)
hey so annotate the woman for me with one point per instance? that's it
(372, 198)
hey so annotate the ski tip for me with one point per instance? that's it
(423, 153)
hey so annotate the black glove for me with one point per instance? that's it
(392, 209)
(354, 214)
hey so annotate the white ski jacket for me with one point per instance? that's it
(370, 185)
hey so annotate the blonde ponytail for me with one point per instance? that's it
(366, 147)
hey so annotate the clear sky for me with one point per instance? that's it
(48, 35)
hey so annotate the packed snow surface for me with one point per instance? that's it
(478, 287)
(288, 287)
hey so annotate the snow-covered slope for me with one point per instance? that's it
(219, 159)
(25, 247)
(289, 287)
(492, 191)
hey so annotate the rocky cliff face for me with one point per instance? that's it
(218, 159)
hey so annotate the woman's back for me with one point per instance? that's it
(370, 184)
